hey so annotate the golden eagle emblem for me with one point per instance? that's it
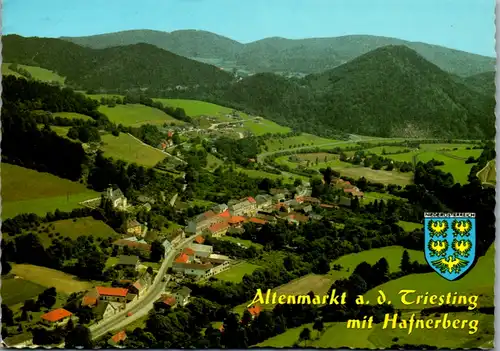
(462, 247)
(461, 227)
(437, 247)
(450, 265)
(437, 228)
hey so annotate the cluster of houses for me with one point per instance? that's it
(199, 261)
(347, 187)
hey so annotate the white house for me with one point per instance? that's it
(117, 198)
(201, 250)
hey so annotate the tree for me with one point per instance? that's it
(305, 335)
(405, 265)
(157, 251)
(79, 337)
(47, 298)
(176, 139)
(7, 315)
(318, 325)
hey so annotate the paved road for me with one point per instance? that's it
(145, 303)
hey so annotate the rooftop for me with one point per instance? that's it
(120, 336)
(105, 291)
(257, 220)
(182, 258)
(218, 226)
(201, 248)
(56, 315)
(199, 239)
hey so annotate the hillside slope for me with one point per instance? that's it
(124, 67)
(313, 55)
(391, 91)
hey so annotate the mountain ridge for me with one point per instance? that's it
(277, 54)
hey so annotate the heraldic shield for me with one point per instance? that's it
(450, 243)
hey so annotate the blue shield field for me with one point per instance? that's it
(450, 245)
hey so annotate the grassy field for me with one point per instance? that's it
(454, 159)
(47, 278)
(129, 149)
(489, 173)
(18, 290)
(28, 191)
(6, 71)
(336, 335)
(254, 173)
(410, 226)
(392, 254)
(236, 272)
(72, 115)
(213, 162)
(43, 74)
(480, 280)
(99, 96)
(135, 115)
(62, 131)
(350, 170)
(276, 144)
(194, 108)
(264, 126)
(73, 228)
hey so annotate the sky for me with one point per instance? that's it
(467, 25)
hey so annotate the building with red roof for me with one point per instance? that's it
(255, 311)
(118, 338)
(182, 258)
(257, 221)
(56, 317)
(169, 300)
(199, 239)
(251, 200)
(224, 214)
(236, 221)
(218, 229)
(188, 251)
(89, 301)
(112, 294)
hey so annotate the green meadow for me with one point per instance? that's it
(28, 191)
(135, 115)
(236, 272)
(276, 144)
(127, 148)
(72, 115)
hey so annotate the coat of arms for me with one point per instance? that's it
(450, 243)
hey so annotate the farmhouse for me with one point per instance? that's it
(117, 198)
(112, 294)
(195, 269)
(134, 227)
(128, 261)
(199, 239)
(117, 339)
(236, 221)
(201, 250)
(218, 229)
(133, 243)
(141, 285)
(103, 310)
(182, 295)
(168, 300)
(56, 318)
(255, 311)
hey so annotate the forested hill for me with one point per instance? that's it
(313, 55)
(124, 67)
(391, 91)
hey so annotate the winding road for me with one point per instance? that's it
(142, 306)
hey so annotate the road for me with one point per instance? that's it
(145, 303)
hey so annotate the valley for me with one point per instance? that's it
(153, 181)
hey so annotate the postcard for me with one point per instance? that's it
(222, 174)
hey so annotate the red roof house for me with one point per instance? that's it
(255, 310)
(182, 258)
(56, 315)
(199, 239)
(219, 228)
(251, 199)
(188, 251)
(117, 292)
(236, 220)
(225, 214)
